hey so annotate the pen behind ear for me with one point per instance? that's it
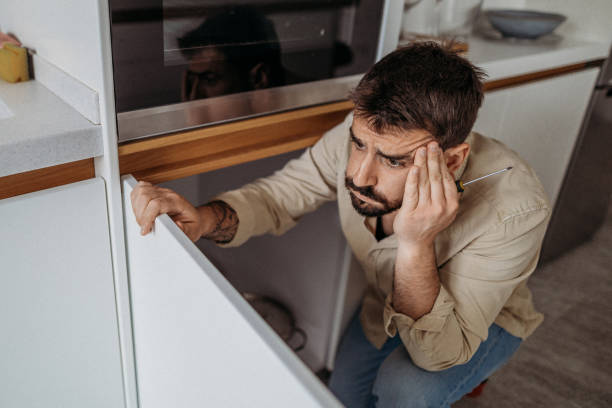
(461, 185)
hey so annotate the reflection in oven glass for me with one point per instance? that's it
(171, 51)
(232, 48)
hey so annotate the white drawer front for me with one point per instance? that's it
(59, 340)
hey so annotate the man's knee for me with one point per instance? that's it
(407, 392)
(402, 384)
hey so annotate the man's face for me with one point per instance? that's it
(378, 166)
(210, 74)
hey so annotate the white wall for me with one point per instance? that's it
(503, 4)
(590, 20)
(63, 32)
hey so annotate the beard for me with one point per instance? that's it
(367, 209)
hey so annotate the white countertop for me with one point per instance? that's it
(38, 129)
(505, 58)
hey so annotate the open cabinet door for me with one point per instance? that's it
(197, 341)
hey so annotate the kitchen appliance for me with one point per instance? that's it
(584, 199)
(180, 64)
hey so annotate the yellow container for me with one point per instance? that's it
(14, 63)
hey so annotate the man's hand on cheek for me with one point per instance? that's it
(430, 200)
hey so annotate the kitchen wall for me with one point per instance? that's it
(65, 33)
(590, 20)
(503, 4)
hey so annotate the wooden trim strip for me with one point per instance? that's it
(192, 152)
(540, 75)
(225, 159)
(41, 179)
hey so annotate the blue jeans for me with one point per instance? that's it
(364, 376)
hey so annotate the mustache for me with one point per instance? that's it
(367, 191)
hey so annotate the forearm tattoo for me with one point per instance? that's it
(226, 224)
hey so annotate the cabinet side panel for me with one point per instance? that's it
(540, 121)
(59, 345)
(197, 342)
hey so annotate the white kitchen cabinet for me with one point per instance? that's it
(59, 345)
(540, 121)
(197, 341)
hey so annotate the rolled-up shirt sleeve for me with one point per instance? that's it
(433, 321)
(275, 203)
(474, 286)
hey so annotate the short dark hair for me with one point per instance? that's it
(422, 86)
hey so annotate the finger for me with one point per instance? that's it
(139, 186)
(448, 179)
(140, 199)
(181, 223)
(411, 189)
(137, 199)
(155, 207)
(435, 176)
(421, 162)
(450, 188)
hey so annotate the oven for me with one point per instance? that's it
(182, 64)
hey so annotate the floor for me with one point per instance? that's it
(567, 362)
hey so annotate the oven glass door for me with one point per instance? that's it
(181, 55)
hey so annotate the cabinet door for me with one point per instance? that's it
(59, 341)
(540, 121)
(197, 342)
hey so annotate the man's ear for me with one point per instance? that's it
(259, 76)
(456, 155)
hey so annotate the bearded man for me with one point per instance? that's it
(447, 302)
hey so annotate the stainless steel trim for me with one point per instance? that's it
(177, 117)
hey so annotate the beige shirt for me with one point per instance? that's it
(484, 257)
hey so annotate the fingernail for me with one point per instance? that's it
(422, 151)
(433, 147)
